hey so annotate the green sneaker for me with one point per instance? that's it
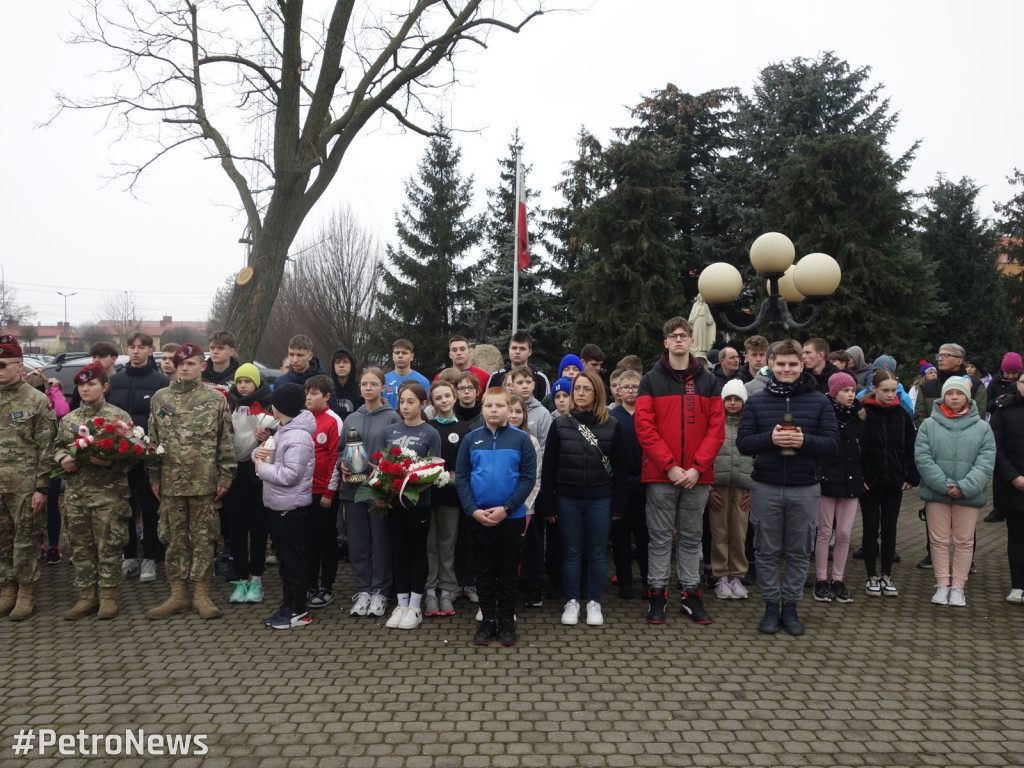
(241, 592)
(255, 592)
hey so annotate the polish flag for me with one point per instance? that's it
(523, 242)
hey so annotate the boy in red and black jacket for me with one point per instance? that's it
(680, 423)
(323, 528)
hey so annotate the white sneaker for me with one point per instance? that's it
(411, 619)
(723, 589)
(571, 613)
(888, 588)
(396, 617)
(1016, 597)
(360, 604)
(873, 587)
(378, 604)
(957, 597)
(941, 596)
(148, 571)
(129, 568)
(739, 592)
(594, 616)
(470, 592)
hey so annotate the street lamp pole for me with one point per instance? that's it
(815, 277)
(67, 332)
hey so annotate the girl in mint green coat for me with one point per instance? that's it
(955, 454)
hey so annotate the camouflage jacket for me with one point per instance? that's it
(191, 422)
(91, 485)
(27, 426)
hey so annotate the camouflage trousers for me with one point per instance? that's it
(20, 533)
(97, 535)
(189, 527)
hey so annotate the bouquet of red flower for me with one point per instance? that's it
(113, 439)
(399, 476)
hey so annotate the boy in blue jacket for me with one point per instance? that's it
(494, 474)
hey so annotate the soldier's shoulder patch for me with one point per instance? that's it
(18, 415)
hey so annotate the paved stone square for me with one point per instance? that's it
(882, 682)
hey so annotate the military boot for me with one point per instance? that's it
(86, 604)
(8, 597)
(26, 602)
(176, 603)
(202, 603)
(108, 603)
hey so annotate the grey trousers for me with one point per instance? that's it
(783, 518)
(444, 529)
(369, 548)
(671, 507)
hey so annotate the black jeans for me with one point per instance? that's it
(290, 531)
(1014, 547)
(632, 525)
(497, 572)
(881, 509)
(465, 554)
(533, 552)
(323, 544)
(409, 529)
(249, 522)
(144, 506)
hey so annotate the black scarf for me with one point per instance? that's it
(844, 413)
(776, 387)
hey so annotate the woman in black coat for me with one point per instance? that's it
(1008, 484)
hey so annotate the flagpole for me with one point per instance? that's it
(515, 241)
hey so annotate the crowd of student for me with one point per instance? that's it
(736, 460)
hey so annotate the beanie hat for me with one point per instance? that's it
(888, 362)
(563, 384)
(713, 355)
(90, 372)
(839, 381)
(1012, 362)
(734, 388)
(954, 349)
(185, 351)
(569, 360)
(924, 366)
(978, 362)
(961, 383)
(289, 399)
(249, 371)
(9, 346)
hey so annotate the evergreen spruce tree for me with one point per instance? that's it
(540, 313)
(427, 287)
(962, 246)
(1011, 244)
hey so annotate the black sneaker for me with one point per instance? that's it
(859, 554)
(751, 577)
(656, 608)
(973, 569)
(896, 557)
(841, 593)
(790, 620)
(924, 562)
(625, 591)
(691, 604)
(995, 516)
(485, 633)
(507, 634)
(534, 598)
(709, 579)
(321, 599)
(770, 623)
(821, 592)
(284, 610)
(53, 555)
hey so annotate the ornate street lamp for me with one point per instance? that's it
(814, 278)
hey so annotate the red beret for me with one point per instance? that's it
(90, 372)
(185, 351)
(9, 346)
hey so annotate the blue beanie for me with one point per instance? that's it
(570, 360)
(563, 384)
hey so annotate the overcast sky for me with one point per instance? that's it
(951, 69)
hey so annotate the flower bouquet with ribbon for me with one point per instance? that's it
(398, 478)
(112, 439)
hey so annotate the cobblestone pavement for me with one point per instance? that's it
(882, 682)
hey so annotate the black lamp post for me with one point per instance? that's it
(814, 278)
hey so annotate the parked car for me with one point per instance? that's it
(64, 367)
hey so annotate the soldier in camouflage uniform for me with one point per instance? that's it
(95, 501)
(27, 426)
(190, 420)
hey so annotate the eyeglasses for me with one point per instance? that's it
(628, 388)
(680, 336)
(944, 355)
(466, 389)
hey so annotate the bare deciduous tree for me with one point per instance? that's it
(279, 99)
(12, 312)
(329, 292)
(119, 316)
